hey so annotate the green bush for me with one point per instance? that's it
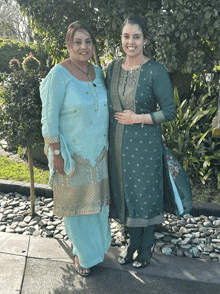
(20, 109)
(10, 48)
(14, 64)
(189, 137)
(31, 63)
(20, 114)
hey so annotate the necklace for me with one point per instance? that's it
(134, 67)
(86, 73)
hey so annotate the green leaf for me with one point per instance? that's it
(203, 136)
(218, 178)
(208, 15)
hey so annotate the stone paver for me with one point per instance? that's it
(11, 272)
(14, 244)
(49, 248)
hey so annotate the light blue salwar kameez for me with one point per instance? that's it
(75, 114)
(97, 239)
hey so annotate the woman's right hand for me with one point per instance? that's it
(58, 164)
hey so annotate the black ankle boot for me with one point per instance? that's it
(128, 257)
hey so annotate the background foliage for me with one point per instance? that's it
(20, 109)
(184, 35)
(13, 24)
(10, 48)
(189, 135)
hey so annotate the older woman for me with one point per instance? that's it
(75, 123)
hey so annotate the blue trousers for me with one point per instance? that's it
(141, 238)
(90, 236)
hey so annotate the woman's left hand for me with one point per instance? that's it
(127, 117)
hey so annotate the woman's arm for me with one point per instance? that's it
(52, 91)
(163, 93)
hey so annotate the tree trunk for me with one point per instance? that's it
(97, 61)
(30, 163)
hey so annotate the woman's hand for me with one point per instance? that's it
(127, 117)
(58, 164)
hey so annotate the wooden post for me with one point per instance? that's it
(30, 163)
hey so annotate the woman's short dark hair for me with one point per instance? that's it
(138, 20)
(78, 25)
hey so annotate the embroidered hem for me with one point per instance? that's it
(70, 213)
(140, 222)
(78, 200)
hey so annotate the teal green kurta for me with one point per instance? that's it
(135, 153)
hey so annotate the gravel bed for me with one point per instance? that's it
(188, 236)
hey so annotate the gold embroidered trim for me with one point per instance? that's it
(52, 139)
(94, 96)
(78, 158)
(103, 154)
(87, 199)
(127, 88)
(86, 162)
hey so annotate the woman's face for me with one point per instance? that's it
(132, 40)
(81, 47)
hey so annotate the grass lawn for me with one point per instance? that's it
(11, 170)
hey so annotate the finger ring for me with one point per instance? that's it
(57, 170)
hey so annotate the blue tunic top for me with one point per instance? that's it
(75, 113)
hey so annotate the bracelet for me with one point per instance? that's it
(142, 123)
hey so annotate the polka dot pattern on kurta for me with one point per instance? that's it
(141, 152)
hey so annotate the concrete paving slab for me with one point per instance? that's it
(14, 243)
(162, 265)
(53, 277)
(11, 273)
(50, 248)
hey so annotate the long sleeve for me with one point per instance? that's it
(52, 91)
(163, 93)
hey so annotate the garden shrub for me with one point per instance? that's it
(31, 63)
(10, 48)
(20, 109)
(20, 113)
(189, 135)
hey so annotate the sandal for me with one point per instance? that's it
(80, 269)
(128, 258)
(141, 262)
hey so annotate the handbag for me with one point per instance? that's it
(177, 194)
